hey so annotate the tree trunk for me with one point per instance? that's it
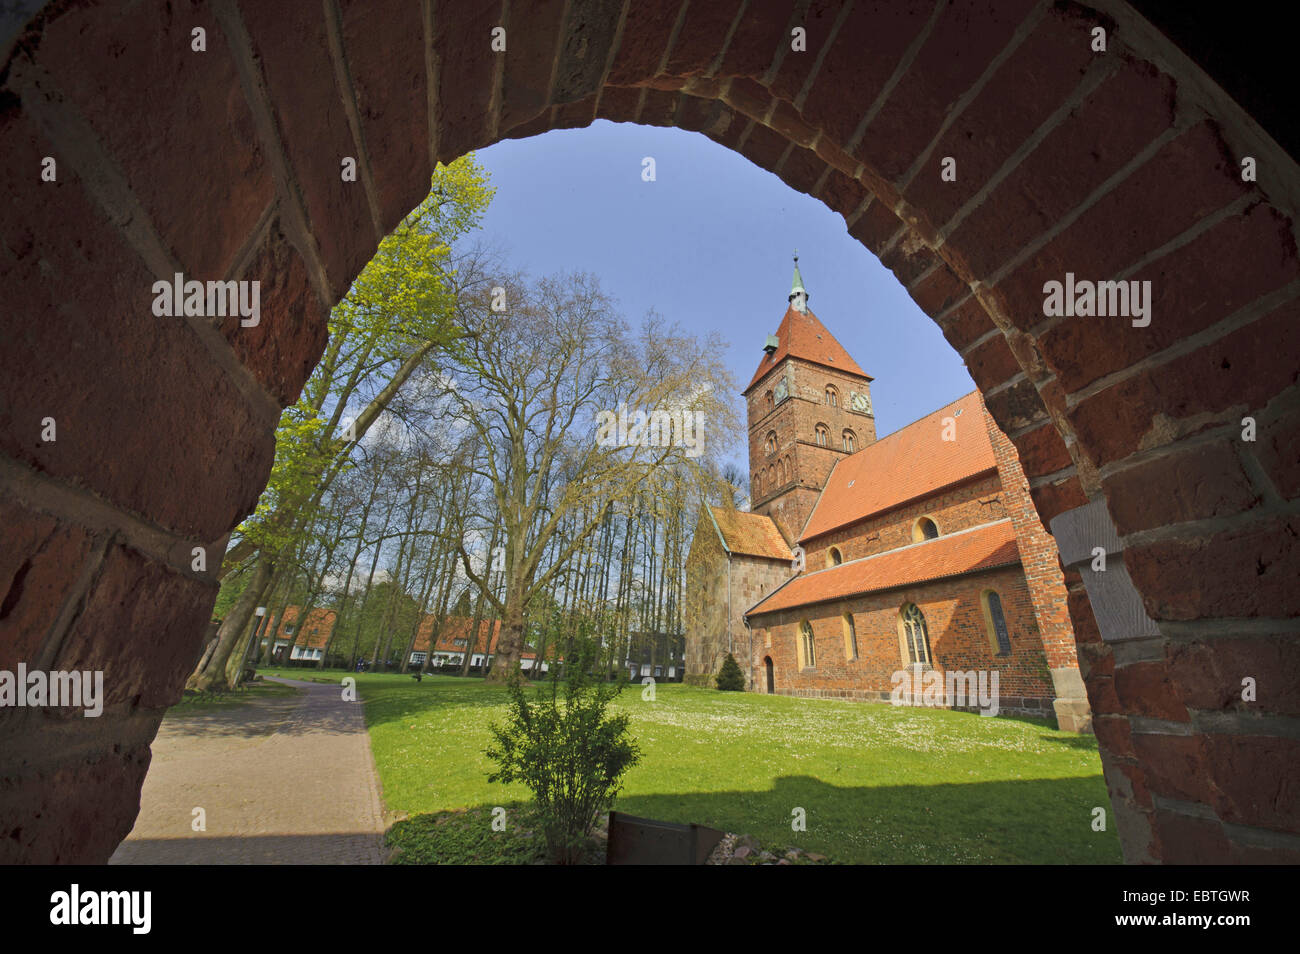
(232, 627)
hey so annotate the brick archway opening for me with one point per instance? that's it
(981, 151)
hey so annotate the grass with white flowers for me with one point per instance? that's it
(876, 783)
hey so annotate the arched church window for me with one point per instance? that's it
(850, 441)
(850, 638)
(780, 472)
(768, 398)
(807, 647)
(770, 444)
(999, 637)
(834, 557)
(823, 435)
(915, 637)
(832, 396)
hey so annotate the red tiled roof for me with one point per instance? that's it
(751, 534)
(984, 547)
(456, 627)
(802, 335)
(313, 634)
(911, 462)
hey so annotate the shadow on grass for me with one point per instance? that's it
(1037, 821)
(469, 837)
(979, 823)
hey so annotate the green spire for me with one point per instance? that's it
(797, 285)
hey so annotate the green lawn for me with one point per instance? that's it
(878, 784)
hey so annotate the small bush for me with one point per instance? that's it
(570, 755)
(730, 678)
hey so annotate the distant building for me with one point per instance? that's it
(454, 643)
(308, 639)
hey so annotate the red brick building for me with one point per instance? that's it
(305, 641)
(871, 569)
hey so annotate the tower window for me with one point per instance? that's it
(915, 638)
(770, 444)
(823, 435)
(850, 441)
(832, 396)
(834, 557)
(768, 398)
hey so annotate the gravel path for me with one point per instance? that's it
(282, 780)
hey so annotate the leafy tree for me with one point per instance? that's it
(571, 756)
(399, 313)
(730, 678)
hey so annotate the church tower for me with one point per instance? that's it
(809, 406)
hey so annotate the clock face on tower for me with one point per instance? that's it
(861, 402)
(781, 391)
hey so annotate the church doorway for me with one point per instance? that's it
(771, 684)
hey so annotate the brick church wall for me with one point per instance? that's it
(959, 640)
(712, 632)
(704, 614)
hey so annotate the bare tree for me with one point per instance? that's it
(571, 407)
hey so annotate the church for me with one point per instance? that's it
(864, 564)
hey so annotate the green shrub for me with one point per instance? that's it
(730, 678)
(570, 754)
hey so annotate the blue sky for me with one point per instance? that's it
(708, 245)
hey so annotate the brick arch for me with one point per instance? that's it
(225, 164)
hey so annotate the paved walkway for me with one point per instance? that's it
(282, 780)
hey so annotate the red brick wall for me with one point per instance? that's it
(959, 640)
(1038, 555)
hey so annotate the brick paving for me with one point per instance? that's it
(286, 780)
